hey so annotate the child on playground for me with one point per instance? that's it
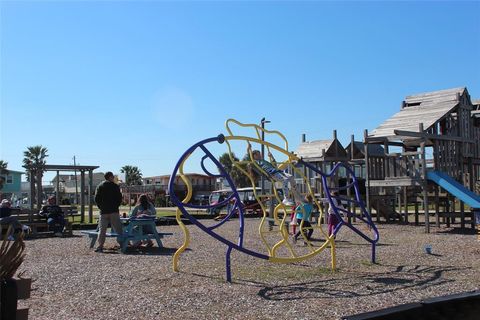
(332, 217)
(277, 175)
(305, 207)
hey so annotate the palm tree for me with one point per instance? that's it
(3, 171)
(133, 175)
(34, 162)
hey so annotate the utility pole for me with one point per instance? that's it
(129, 191)
(270, 213)
(262, 122)
(262, 179)
(76, 183)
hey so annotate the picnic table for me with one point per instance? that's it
(132, 231)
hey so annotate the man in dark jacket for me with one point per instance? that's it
(54, 215)
(108, 198)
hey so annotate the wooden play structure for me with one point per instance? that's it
(425, 158)
(431, 155)
(323, 155)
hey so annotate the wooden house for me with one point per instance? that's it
(11, 186)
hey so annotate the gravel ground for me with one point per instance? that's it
(73, 282)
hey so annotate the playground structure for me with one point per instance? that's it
(431, 153)
(325, 155)
(273, 229)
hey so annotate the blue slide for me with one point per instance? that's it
(454, 188)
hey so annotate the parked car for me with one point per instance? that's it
(201, 199)
(246, 195)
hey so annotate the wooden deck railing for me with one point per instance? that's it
(395, 165)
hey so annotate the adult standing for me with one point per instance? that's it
(108, 199)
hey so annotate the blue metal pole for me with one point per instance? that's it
(227, 264)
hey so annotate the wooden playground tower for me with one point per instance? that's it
(323, 155)
(434, 132)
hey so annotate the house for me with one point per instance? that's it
(12, 182)
(158, 185)
(200, 182)
(69, 184)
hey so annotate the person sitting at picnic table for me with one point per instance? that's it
(144, 209)
(54, 215)
(6, 218)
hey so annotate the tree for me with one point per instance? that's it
(34, 162)
(238, 177)
(34, 159)
(3, 171)
(133, 175)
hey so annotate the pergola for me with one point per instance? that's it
(58, 168)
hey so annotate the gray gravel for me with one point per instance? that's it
(73, 282)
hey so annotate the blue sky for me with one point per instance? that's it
(137, 83)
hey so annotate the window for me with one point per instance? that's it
(9, 179)
(413, 104)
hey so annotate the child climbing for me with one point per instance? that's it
(277, 175)
(332, 217)
(303, 212)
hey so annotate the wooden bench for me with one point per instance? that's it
(36, 222)
(125, 238)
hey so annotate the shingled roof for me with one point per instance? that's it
(374, 150)
(426, 108)
(312, 150)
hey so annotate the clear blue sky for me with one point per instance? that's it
(137, 83)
